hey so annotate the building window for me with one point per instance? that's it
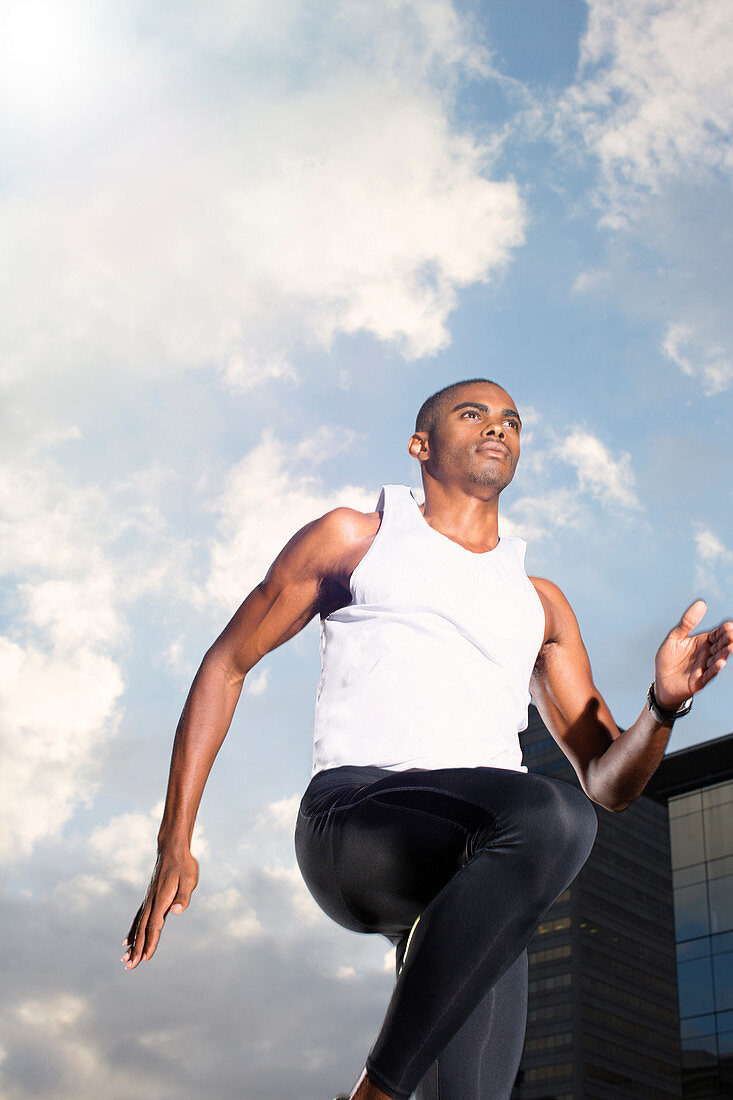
(723, 977)
(548, 1073)
(691, 911)
(695, 983)
(702, 855)
(688, 845)
(550, 1012)
(550, 955)
(549, 1042)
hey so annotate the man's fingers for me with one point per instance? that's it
(715, 664)
(130, 937)
(722, 637)
(711, 672)
(145, 940)
(134, 951)
(183, 897)
(180, 902)
(138, 932)
(170, 891)
(162, 907)
(692, 616)
(152, 935)
(174, 891)
(722, 648)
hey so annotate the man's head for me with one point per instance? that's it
(468, 432)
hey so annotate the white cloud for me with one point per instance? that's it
(233, 916)
(224, 213)
(304, 906)
(280, 815)
(48, 525)
(652, 99)
(172, 1042)
(709, 363)
(712, 558)
(58, 1031)
(52, 1014)
(653, 111)
(610, 480)
(267, 498)
(56, 714)
(58, 538)
(74, 591)
(536, 516)
(61, 679)
(73, 613)
(544, 506)
(123, 850)
(256, 684)
(174, 657)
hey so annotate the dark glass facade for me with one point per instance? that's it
(700, 806)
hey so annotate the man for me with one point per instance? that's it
(419, 821)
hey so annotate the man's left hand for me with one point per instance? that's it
(685, 663)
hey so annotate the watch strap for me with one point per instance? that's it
(660, 713)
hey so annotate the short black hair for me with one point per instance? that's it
(430, 409)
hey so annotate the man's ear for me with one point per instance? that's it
(418, 445)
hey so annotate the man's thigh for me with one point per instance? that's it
(400, 846)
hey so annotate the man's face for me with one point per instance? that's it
(475, 438)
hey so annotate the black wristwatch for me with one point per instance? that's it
(660, 713)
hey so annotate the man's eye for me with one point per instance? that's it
(514, 423)
(471, 412)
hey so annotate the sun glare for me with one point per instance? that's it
(48, 59)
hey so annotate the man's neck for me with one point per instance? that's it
(468, 520)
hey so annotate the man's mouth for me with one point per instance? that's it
(494, 448)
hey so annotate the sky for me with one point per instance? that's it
(242, 242)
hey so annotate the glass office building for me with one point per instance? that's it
(697, 785)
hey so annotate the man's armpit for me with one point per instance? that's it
(544, 657)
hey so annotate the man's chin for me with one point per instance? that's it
(492, 488)
(492, 479)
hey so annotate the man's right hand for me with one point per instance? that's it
(174, 879)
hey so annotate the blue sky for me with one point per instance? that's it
(243, 241)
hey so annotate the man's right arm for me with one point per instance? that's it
(277, 609)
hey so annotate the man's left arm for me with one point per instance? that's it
(614, 767)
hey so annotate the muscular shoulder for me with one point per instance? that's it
(343, 530)
(559, 615)
(324, 548)
(347, 524)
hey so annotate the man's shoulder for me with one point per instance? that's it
(559, 615)
(325, 547)
(338, 539)
(348, 524)
(548, 590)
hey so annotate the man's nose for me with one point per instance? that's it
(495, 430)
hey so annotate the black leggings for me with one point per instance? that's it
(479, 855)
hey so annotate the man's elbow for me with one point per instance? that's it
(603, 794)
(614, 806)
(224, 663)
(613, 801)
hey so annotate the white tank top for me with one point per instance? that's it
(429, 665)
